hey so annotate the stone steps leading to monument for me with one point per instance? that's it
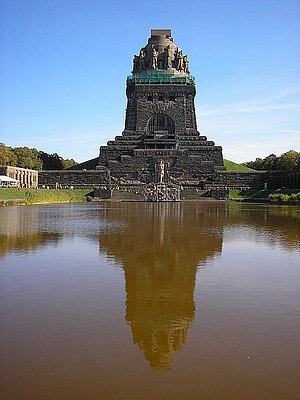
(193, 193)
(130, 194)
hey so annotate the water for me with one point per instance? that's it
(195, 300)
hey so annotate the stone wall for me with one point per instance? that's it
(220, 179)
(240, 180)
(256, 180)
(174, 100)
(77, 179)
(283, 179)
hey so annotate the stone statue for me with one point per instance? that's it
(168, 58)
(175, 63)
(154, 58)
(186, 65)
(142, 65)
(179, 61)
(135, 64)
(162, 171)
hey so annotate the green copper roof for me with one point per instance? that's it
(160, 76)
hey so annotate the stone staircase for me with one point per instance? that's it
(194, 194)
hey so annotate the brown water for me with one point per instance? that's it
(150, 301)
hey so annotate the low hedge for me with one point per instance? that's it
(283, 198)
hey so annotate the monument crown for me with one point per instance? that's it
(161, 54)
(161, 32)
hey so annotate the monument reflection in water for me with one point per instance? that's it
(160, 255)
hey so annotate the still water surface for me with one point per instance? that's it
(150, 301)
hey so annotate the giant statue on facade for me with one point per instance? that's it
(154, 58)
(142, 63)
(186, 65)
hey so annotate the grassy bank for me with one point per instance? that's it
(251, 194)
(232, 166)
(40, 196)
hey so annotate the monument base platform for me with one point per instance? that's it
(159, 192)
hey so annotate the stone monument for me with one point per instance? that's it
(161, 130)
(160, 126)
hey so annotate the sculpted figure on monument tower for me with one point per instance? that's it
(179, 61)
(175, 62)
(135, 64)
(168, 58)
(186, 64)
(154, 56)
(142, 65)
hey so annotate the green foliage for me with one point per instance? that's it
(289, 161)
(25, 157)
(7, 156)
(259, 194)
(232, 166)
(32, 196)
(241, 194)
(56, 196)
(12, 193)
(55, 162)
(284, 198)
(68, 163)
(51, 161)
(28, 158)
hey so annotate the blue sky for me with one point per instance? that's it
(63, 66)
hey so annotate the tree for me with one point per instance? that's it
(68, 163)
(28, 158)
(51, 161)
(289, 161)
(7, 156)
(25, 157)
(269, 162)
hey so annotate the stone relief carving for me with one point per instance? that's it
(142, 64)
(186, 65)
(136, 62)
(153, 57)
(168, 58)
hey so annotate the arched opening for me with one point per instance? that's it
(161, 122)
(160, 133)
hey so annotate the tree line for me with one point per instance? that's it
(289, 161)
(25, 157)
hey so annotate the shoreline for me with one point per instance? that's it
(22, 203)
(25, 197)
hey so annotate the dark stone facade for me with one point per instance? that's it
(222, 179)
(240, 180)
(161, 125)
(75, 179)
(258, 179)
